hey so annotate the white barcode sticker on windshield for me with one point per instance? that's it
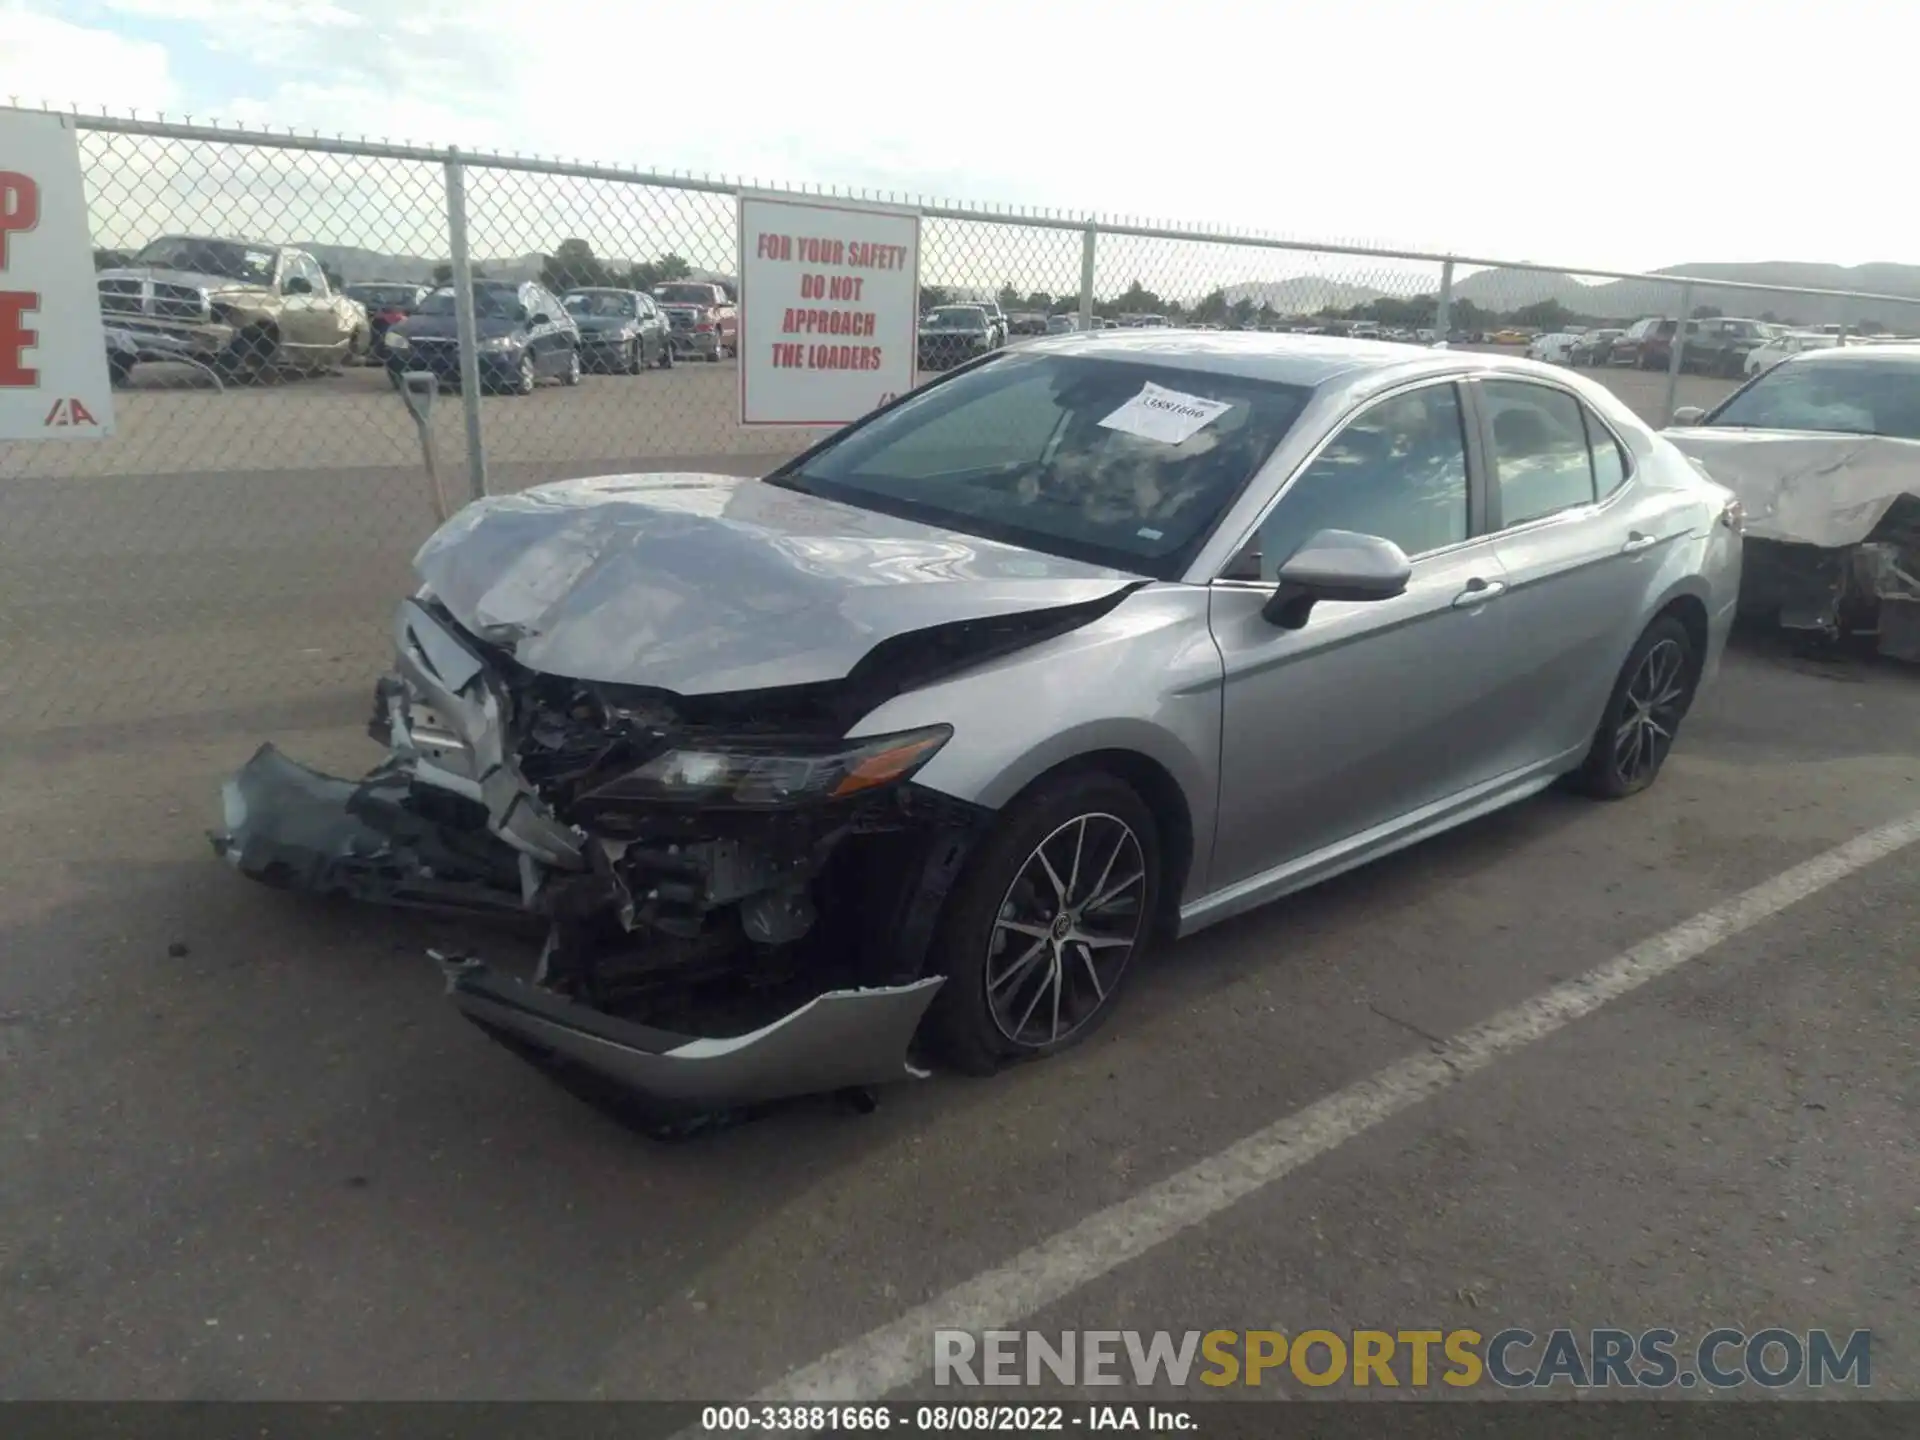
(1169, 416)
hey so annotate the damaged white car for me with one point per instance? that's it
(916, 745)
(1824, 452)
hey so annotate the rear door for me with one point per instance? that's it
(1579, 542)
(1370, 710)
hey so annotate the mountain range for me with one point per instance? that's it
(1504, 290)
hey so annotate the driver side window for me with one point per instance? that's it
(1397, 470)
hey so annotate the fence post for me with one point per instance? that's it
(1443, 316)
(1678, 349)
(463, 321)
(1087, 244)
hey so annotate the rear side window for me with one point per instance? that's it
(1540, 459)
(1609, 456)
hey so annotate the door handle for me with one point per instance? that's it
(1478, 592)
(1636, 542)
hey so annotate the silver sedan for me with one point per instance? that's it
(915, 746)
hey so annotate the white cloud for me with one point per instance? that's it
(1622, 133)
(47, 59)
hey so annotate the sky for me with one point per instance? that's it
(1618, 134)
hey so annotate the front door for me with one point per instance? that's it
(1370, 710)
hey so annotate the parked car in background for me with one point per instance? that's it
(996, 318)
(1510, 336)
(1062, 324)
(621, 331)
(1595, 347)
(1554, 348)
(1763, 358)
(246, 308)
(1720, 345)
(701, 318)
(1026, 323)
(387, 303)
(919, 746)
(952, 334)
(1823, 451)
(1363, 330)
(524, 332)
(1648, 343)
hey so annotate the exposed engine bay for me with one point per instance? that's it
(738, 898)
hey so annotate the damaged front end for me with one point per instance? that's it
(739, 899)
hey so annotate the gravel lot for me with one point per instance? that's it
(249, 1152)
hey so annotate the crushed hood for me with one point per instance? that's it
(1804, 487)
(704, 584)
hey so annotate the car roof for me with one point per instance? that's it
(1278, 356)
(1858, 354)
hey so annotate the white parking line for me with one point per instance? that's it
(896, 1354)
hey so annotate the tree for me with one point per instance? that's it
(1242, 313)
(573, 265)
(1138, 300)
(1008, 298)
(1465, 315)
(1266, 316)
(1212, 308)
(1041, 301)
(932, 297)
(1543, 315)
(649, 273)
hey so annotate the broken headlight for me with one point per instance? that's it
(755, 777)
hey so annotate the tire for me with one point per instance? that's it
(119, 371)
(719, 353)
(666, 354)
(1626, 757)
(524, 378)
(637, 358)
(253, 355)
(571, 375)
(1005, 886)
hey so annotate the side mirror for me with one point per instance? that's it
(1336, 565)
(1688, 415)
(540, 317)
(297, 285)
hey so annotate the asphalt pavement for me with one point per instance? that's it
(248, 1151)
(251, 1152)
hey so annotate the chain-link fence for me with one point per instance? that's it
(236, 545)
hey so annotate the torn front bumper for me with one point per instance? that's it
(839, 1040)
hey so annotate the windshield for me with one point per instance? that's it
(1066, 455)
(957, 319)
(599, 302)
(684, 294)
(1839, 396)
(209, 257)
(496, 302)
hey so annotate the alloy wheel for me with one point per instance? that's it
(1654, 702)
(1065, 930)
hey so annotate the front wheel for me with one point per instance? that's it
(571, 375)
(1649, 700)
(666, 354)
(524, 376)
(1051, 917)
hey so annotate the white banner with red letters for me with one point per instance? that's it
(53, 359)
(829, 308)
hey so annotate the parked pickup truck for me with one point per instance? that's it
(242, 307)
(701, 318)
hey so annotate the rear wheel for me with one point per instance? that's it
(666, 354)
(1649, 700)
(1050, 919)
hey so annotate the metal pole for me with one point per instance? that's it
(463, 321)
(1087, 244)
(1443, 317)
(1678, 349)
